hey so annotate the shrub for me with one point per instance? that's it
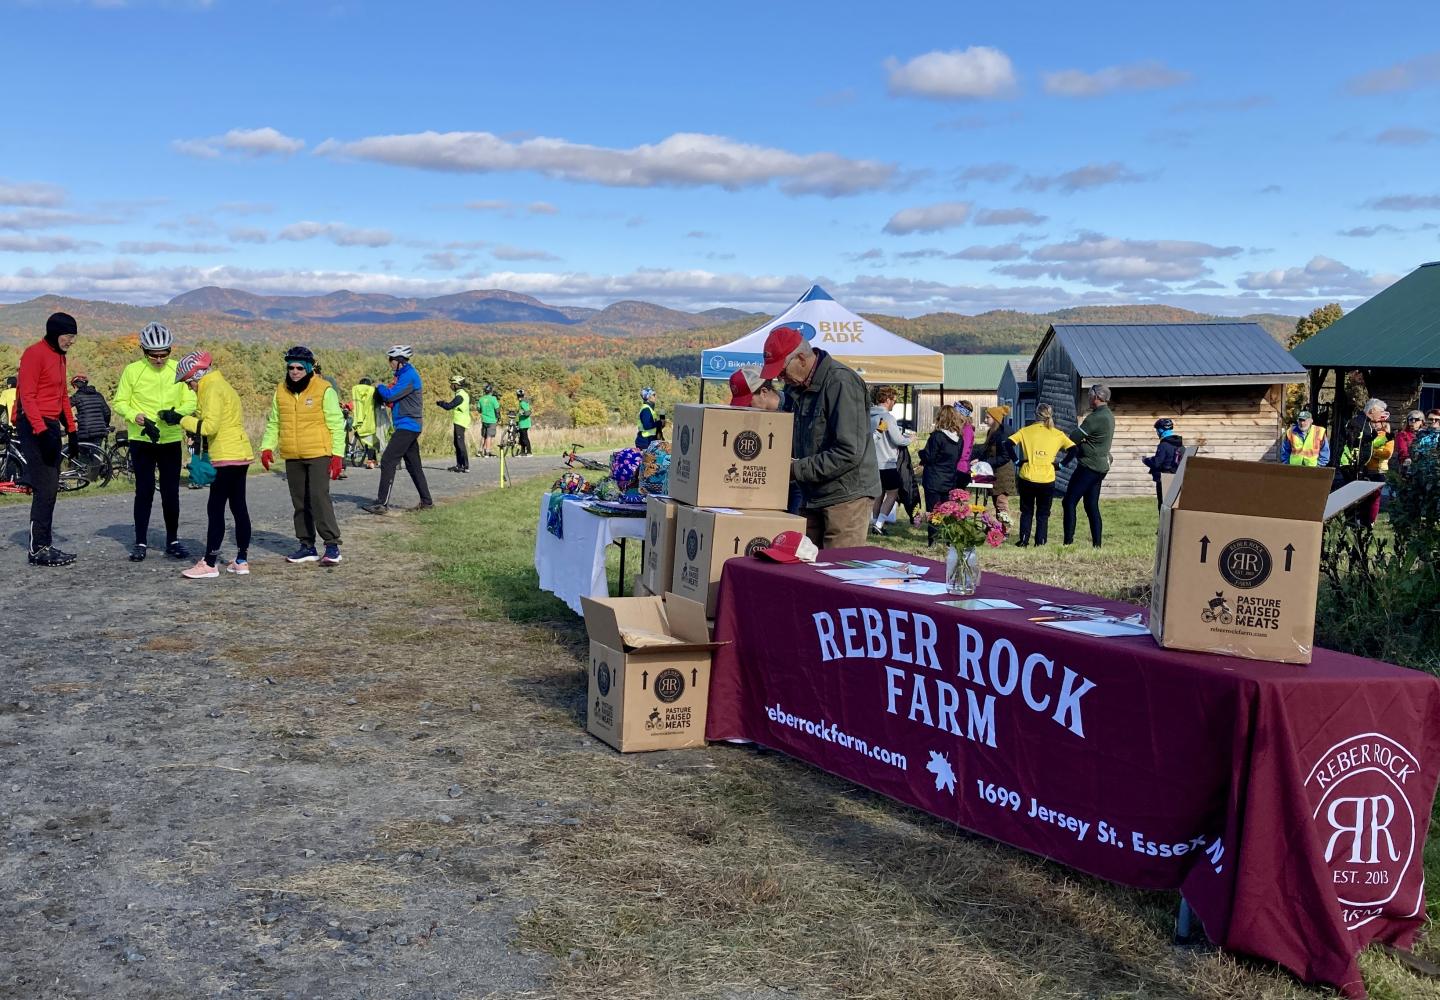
(589, 412)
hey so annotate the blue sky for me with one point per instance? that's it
(946, 157)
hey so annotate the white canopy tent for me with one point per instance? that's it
(876, 355)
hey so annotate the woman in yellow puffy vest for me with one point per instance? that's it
(307, 426)
(219, 421)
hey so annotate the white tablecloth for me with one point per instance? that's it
(574, 566)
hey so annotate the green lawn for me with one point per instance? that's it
(732, 817)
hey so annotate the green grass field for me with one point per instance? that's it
(741, 867)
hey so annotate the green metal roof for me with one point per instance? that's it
(1398, 328)
(975, 371)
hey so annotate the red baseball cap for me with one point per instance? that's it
(743, 383)
(782, 340)
(790, 547)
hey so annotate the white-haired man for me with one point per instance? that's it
(1369, 443)
(833, 461)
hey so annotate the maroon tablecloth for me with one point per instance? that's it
(1289, 804)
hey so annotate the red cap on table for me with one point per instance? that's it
(790, 547)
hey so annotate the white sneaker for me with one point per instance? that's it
(201, 571)
(239, 567)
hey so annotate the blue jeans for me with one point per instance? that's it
(1084, 486)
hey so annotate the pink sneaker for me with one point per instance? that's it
(239, 567)
(201, 571)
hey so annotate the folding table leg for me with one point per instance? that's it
(1184, 923)
(620, 584)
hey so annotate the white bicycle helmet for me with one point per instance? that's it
(401, 351)
(155, 337)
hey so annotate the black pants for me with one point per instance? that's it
(403, 445)
(1035, 507)
(462, 453)
(44, 482)
(524, 440)
(150, 459)
(228, 488)
(1084, 485)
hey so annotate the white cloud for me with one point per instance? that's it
(244, 141)
(1248, 103)
(988, 172)
(1008, 217)
(1005, 251)
(247, 234)
(1322, 276)
(1405, 136)
(445, 260)
(1091, 175)
(520, 253)
(1422, 71)
(162, 246)
(336, 232)
(685, 159)
(1149, 75)
(541, 208)
(1096, 259)
(49, 218)
(43, 244)
(1390, 203)
(976, 72)
(31, 194)
(928, 218)
(1365, 232)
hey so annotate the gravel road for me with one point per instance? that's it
(235, 787)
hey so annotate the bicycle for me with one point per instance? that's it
(573, 458)
(90, 464)
(510, 440)
(354, 450)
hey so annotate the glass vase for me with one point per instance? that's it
(962, 570)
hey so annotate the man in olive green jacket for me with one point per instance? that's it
(834, 451)
(1092, 439)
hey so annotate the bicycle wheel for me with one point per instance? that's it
(96, 462)
(119, 460)
(72, 473)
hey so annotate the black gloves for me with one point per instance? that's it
(151, 431)
(169, 416)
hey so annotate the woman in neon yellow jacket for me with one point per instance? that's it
(152, 403)
(219, 419)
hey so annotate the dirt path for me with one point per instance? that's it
(243, 786)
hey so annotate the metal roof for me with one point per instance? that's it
(1398, 328)
(1020, 371)
(976, 371)
(1236, 353)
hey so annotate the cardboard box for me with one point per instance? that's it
(1237, 561)
(643, 591)
(728, 456)
(696, 610)
(706, 537)
(659, 544)
(649, 673)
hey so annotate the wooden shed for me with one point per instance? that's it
(1224, 382)
(1392, 340)
(967, 376)
(1017, 391)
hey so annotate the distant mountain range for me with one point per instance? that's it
(620, 319)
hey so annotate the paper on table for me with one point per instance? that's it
(1102, 629)
(861, 573)
(927, 587)
(981, 604)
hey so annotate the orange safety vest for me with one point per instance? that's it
(1305, 449)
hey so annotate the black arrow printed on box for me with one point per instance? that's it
(644, 679)
(1289, 554)
(1204, 546)
(694, 677)
(724, 438)
(772, 440)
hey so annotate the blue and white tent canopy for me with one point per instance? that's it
(875, 353)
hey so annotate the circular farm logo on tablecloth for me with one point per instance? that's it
(748, 445)
(692, 544)
(602, 678)
(685, 440)
(1365, 825)
(669, 685)
(756, 544)
(1245, 563)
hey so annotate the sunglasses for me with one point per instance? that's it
(1417, 420)
(157, 355)
(295, 368)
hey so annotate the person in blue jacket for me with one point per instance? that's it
(404, 396)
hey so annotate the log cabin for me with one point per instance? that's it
(1224, 382)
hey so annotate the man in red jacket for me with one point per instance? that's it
(45, 416)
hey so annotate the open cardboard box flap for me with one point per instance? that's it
(1349, 495)
(606, 616)
(1252, 489)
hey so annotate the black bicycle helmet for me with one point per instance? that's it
(300, 353)
(519, 393)
(1164, 424)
